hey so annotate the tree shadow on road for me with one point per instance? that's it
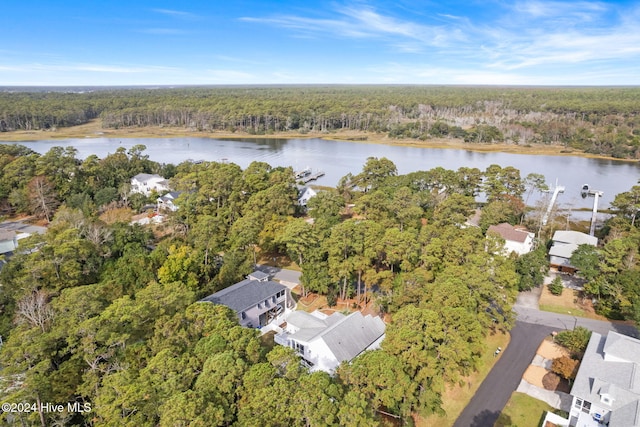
(491, 418)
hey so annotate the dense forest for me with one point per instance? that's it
(105, 313)
(595, 120)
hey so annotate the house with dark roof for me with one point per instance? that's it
(304, 194)
(324, 341)
(606, 391)
(256, 300)
(516, 239)
(564, 244)
(167, 202)
(145, 183)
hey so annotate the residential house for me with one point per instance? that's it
(167, 202)
(8, 241)
(145, 183)
(304, 194)
(324, 341)
(606, 391)
(256, 300)
(564, 244)
(516, 239)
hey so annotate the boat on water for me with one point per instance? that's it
(585, 191)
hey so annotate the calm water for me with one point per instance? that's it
(337, 158)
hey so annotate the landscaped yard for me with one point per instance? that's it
(568, 303)
(522, 411)
(456, 398)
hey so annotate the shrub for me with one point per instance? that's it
(566, 367)
(575, 341)
(556, 287)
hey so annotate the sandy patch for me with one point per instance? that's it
(534, 374)
(550, 350)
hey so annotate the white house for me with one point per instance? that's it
(305, 194)
(145, 183)
(8, 241)
(167, 202)
(564, 244)
(256, 300)
(516, 240)
(325, 341)
(606, 391)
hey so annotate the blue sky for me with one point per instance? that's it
(529, 42)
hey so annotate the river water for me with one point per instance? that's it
(337, 158)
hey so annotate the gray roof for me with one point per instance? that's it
(619, 380)
(245, 294)
(627, 416)
(353, 335)
(345, 336)
(575, 237)
(258, 275)
(310, 326)
(171, 195)
(562, 250)
(144, 177)
(8, 241)
(622, 347)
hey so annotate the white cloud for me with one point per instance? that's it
(176, 13)
(366, 23)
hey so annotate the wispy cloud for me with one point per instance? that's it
(573, 11)
(176, 13)
(365, 22)
(526, 34)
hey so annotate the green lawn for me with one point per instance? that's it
(564, 310)
(522, 411)
(457, 397)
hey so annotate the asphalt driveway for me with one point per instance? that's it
(488, 402)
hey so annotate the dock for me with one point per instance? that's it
(559, 189)
(311, 177)
(303, 173)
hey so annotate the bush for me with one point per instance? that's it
(556, 287)
(566, 367)
(575, 341)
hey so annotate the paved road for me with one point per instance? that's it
(564, 321)
(531, 327)
(496, 389)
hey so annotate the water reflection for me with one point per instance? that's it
(337, 158)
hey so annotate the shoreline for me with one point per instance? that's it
(93, 130)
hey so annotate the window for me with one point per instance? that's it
(243, 315)
(586, 407)
(578, 404)
(299, 347)
(273, 298)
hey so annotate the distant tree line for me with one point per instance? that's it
(597, 120)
